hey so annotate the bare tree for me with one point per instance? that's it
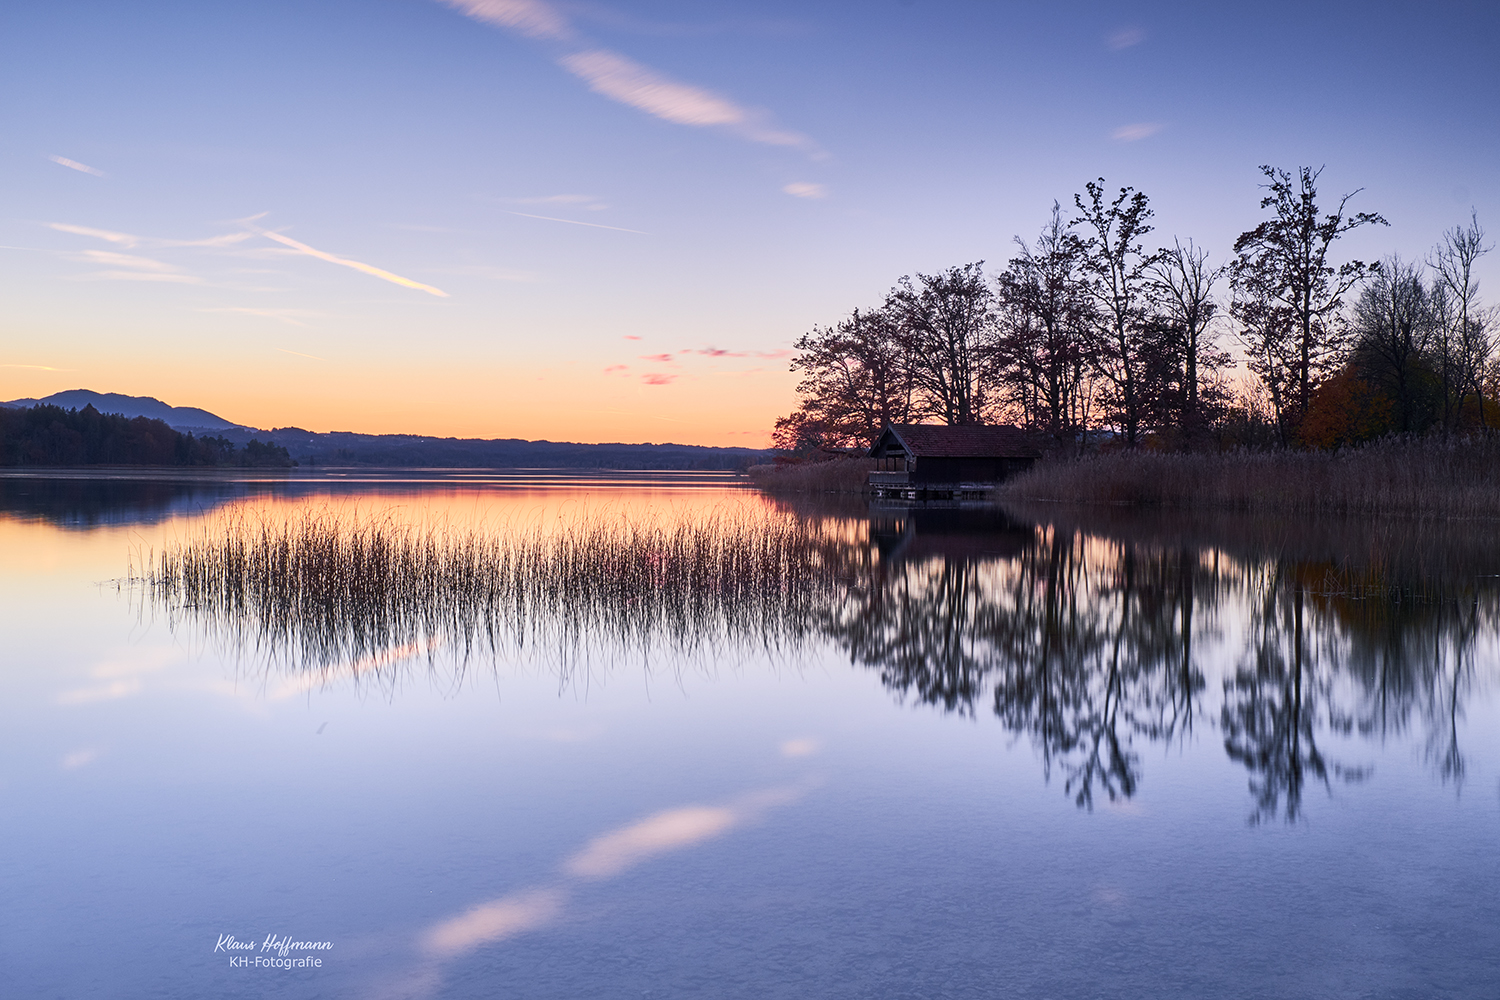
(1184, 284)
(1287, 293)
(1118, 272)
(1395, 332)
(1466, 331)
(947, 322)
(1044, 350)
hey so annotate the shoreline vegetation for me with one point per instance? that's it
(1403, 477)
(1421, 477)
(1316, 384)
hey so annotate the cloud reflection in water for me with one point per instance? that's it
(604, 857)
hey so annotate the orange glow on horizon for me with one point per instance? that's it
(712, 408)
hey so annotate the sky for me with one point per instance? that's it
(610, 221)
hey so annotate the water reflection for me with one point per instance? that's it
(90, 498)
(1082, 646)
(1093, 640)
(83, 502)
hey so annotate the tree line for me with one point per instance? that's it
(1087, 333)
(51, 435)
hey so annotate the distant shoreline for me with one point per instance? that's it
(1425, 477)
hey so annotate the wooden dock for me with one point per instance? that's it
(900, 486)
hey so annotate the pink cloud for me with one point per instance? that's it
(631, 336)
(615, 368)
(719, 352)
(656, 357)
(658, 379)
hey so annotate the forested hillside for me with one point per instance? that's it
(50, 435)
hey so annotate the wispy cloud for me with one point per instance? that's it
(610, 370)
(575, 222)
(1137, 131)
(156, 276)
(624, 80)
(226, 240)
(1124, 38)
(110, 258)
(663, 358)
(299, 354)
(656, 378)
(806, 189)
(628, 82)
(529, 18)
(130, 240)
(82, 168)
(123, 239)
(621, 79)
(719, 352)
(131, 267)
(41, 368)
(620, 21)
(78, 758)
(369, 269)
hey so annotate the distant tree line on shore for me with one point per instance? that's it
(51, 435)
(1087, 333)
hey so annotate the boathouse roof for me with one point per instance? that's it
(944, 441)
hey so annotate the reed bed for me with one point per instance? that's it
(1408, 477)
(840, 475)
(319, 590)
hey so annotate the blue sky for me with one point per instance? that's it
(632, 209)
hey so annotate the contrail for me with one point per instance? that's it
(357, 265)
(575, 222)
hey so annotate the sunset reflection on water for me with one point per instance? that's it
(946, 741)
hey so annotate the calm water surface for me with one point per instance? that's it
(818, 750)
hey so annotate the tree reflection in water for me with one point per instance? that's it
(1083, 645)
(1271, 704)
(1085, 642)
(1088, 638)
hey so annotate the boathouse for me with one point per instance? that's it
(936, 461)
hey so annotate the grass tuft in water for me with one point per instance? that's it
(324, 588)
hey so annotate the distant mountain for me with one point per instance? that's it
(343, 448)
(179, 418)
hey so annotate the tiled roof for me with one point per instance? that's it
(968, 441)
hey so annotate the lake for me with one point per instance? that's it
(544, 735)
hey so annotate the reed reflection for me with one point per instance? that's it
(1094, 644)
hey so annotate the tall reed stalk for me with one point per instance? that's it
(320, 589)
(1458, 478)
